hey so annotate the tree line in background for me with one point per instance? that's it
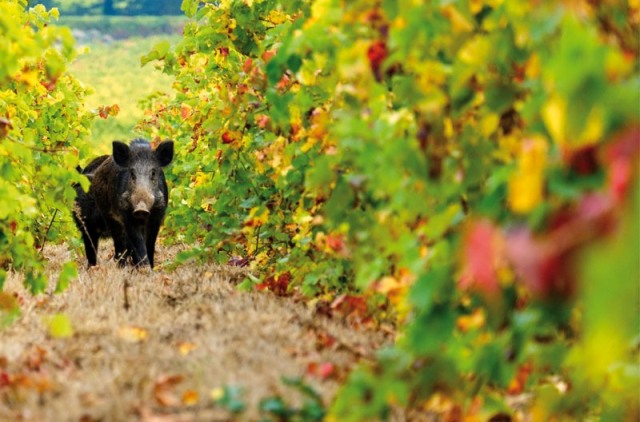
(114, 7)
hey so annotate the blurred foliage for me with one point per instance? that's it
(456, 157)
(115, 78)
(42, 125)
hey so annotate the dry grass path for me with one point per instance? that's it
(186, 334)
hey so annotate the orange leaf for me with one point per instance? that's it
(335, 242)
(518, 383)
(190, 398)
(468, 322)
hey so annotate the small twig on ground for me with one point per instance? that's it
(126, 294)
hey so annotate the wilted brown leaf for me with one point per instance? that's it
(163, 390)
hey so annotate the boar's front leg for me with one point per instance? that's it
(136, 235)
(119, 242)
(153, 227)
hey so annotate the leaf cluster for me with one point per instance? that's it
(42, 121)
(450, 156)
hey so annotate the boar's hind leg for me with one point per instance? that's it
(91, 238)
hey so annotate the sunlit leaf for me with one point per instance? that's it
(59, 326)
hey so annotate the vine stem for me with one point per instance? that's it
(55, 212)
(46, 150)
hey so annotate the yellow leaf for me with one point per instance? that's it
(257, 216)
(554, 115)
(201, 178)
(216, 394)
(459, 22)
(186, 348)
(29, 77)
(132, 334)
(59, 326)
(527, 182)
(277, 17)
(475, 51)
(594, 127)
(474, 320)
(489, 124)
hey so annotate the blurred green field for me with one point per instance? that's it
(114, 73)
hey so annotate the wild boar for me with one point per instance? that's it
(127, 201)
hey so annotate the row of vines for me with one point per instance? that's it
(458, 159)
(43, 131)
(467, 169)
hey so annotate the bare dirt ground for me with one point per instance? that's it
(187, 334)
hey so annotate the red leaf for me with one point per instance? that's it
(350, 305)
(336, 242)
(376, 54)
(481, 251)
(227, 138)
(267, 55)
(248, 64)
(185, 111)
(5, 379)
(321, 370)
(239, 261)
(324, 340)
(326, 369)
(584, 161)
(263, 121)
(277, 284)
(284, 82)
(622, 159)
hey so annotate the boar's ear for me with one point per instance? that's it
(164, 152)
(121, 153)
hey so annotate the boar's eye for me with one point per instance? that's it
(153, 173)
(132, 174)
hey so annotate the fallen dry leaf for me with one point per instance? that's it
(163, 390)
(190, 398)
(132, 334)
(186, 348)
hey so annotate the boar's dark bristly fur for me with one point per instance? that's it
(127, 201)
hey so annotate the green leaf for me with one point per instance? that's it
(231, 399)
(69, 272)
(190, 7)
(59, 326)
(158, 52)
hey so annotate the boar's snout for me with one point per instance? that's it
(141, 211)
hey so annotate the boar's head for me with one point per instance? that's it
(141, 185)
